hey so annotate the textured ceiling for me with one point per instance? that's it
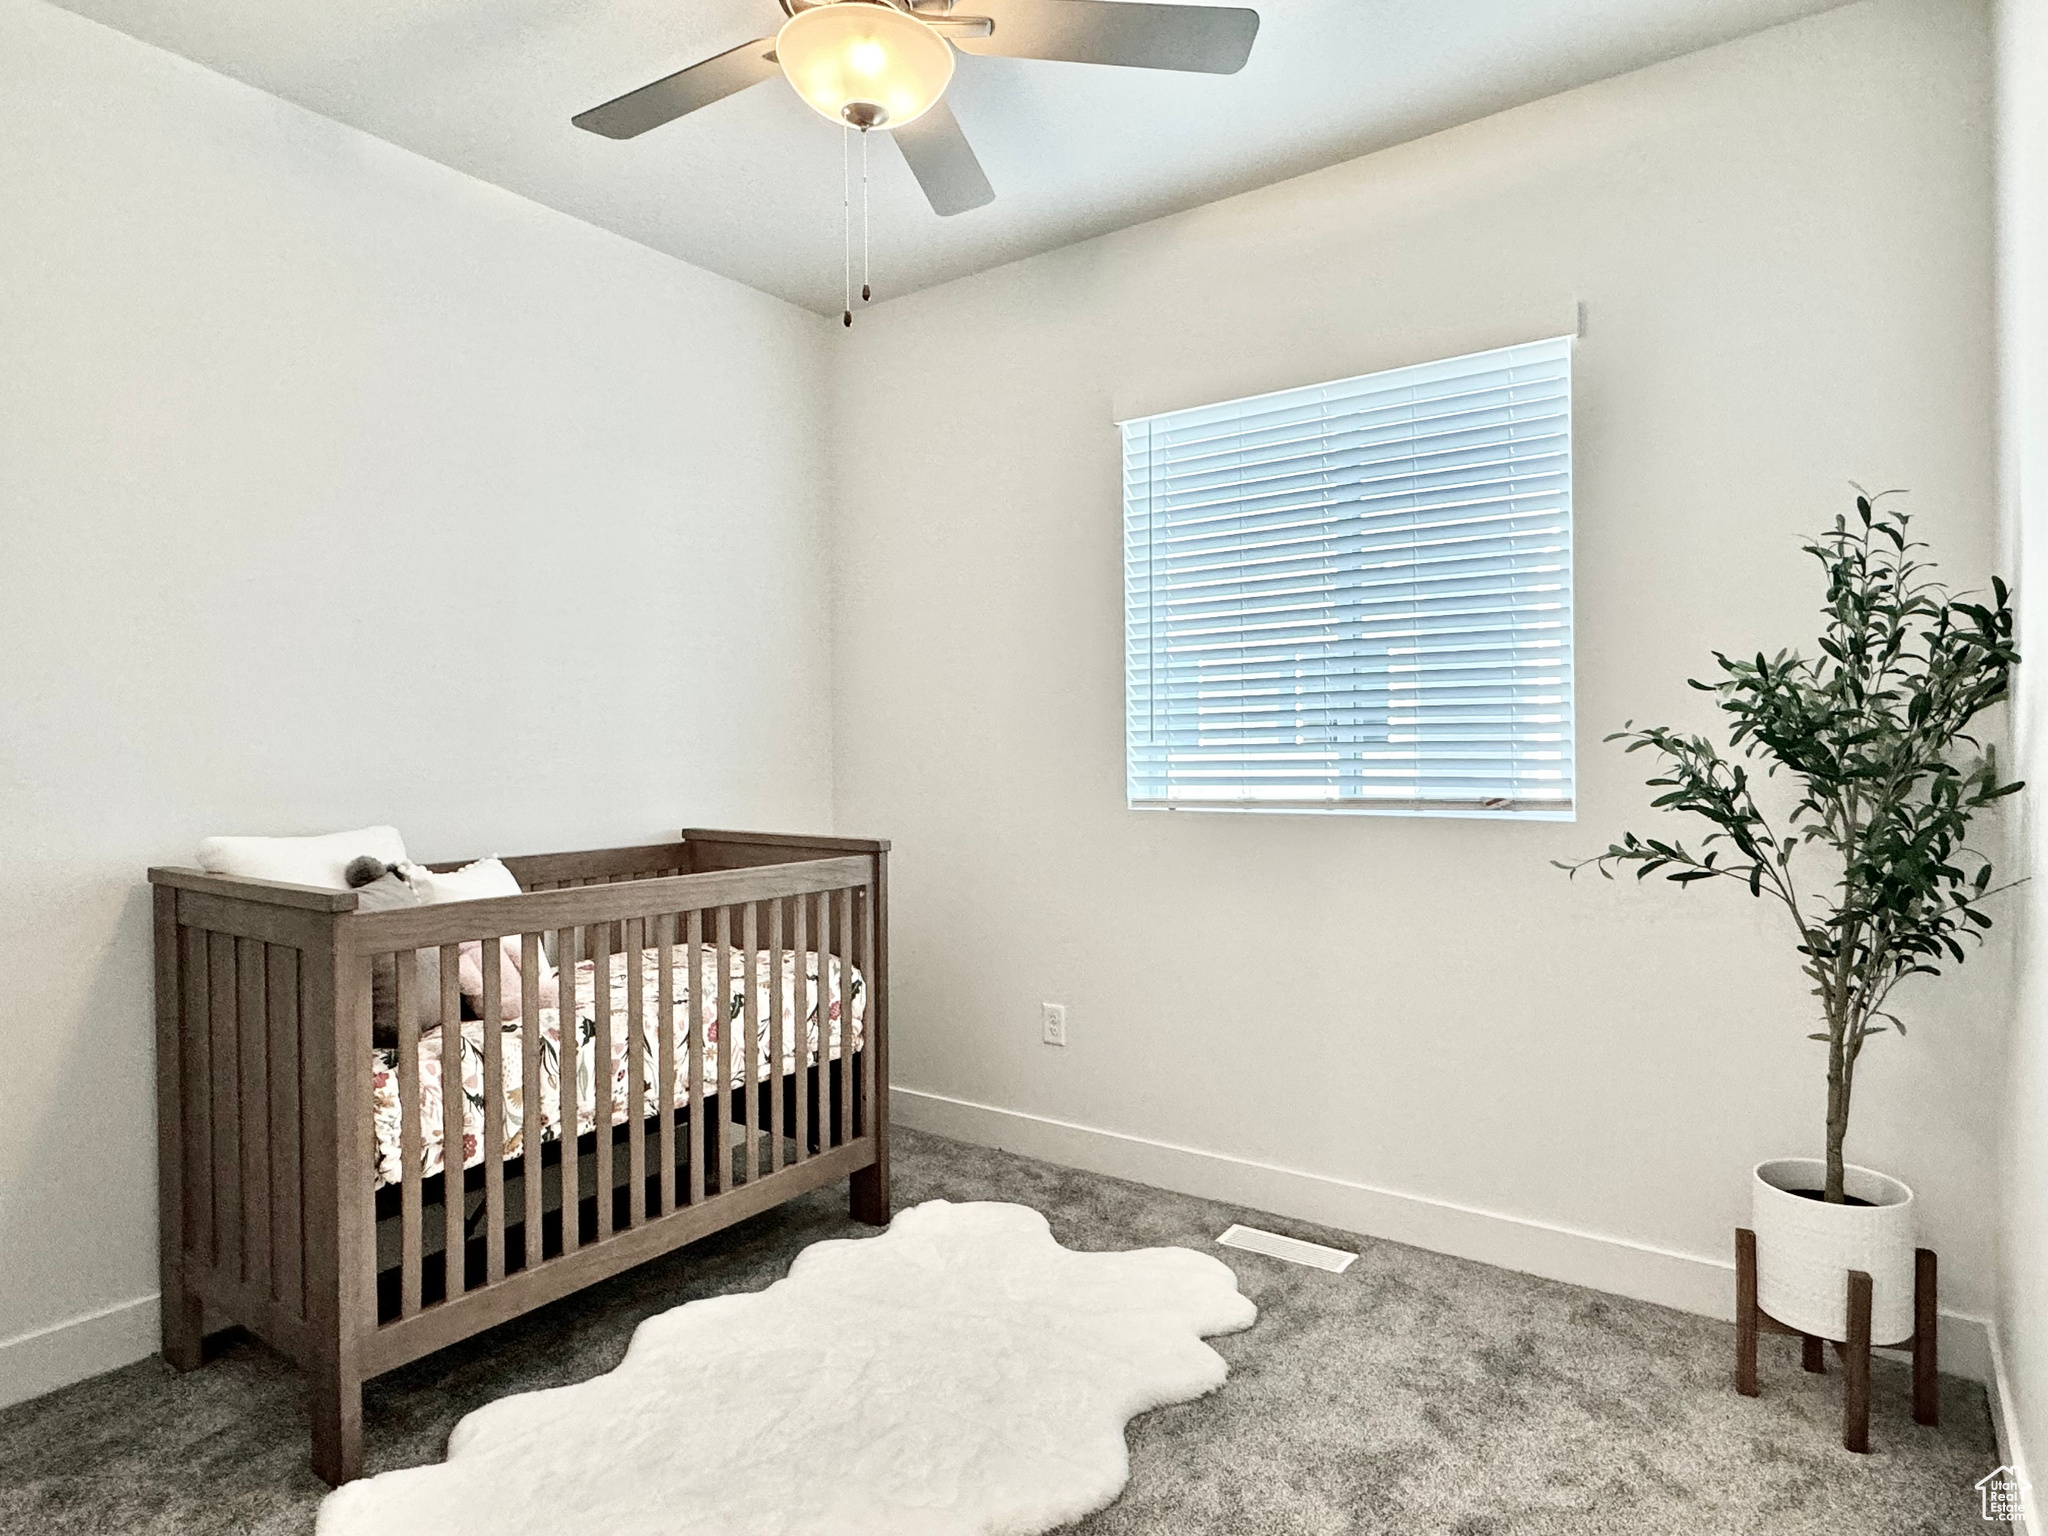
(749, 187)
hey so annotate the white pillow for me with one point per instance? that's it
(481, 881)
(303, 860)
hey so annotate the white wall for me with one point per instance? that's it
(2023, 498)
(337, 487)
(1785, 250)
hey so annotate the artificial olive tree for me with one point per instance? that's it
(1873, 735)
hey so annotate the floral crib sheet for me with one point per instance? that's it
(384, 1063)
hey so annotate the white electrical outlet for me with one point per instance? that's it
(1054, 1017)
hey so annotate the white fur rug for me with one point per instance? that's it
(959, 1375)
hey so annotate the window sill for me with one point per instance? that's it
(1447, 812)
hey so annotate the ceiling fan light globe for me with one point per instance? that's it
(854, 59)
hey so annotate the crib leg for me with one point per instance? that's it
(337, 1404)
(869, 1195)
(179, 1309)
(181, 1318)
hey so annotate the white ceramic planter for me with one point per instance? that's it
(1805, 1248)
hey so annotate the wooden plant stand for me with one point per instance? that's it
(1751, 1319)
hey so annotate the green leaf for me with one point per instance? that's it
(1868, 731)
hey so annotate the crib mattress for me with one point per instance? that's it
(714, 1022)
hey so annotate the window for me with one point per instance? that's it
(1356, 596)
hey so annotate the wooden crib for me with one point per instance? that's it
(270, 1210)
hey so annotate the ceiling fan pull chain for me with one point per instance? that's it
(846, 217)
(865, 292)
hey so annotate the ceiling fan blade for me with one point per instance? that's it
(628, 116)
(1206, 39)
(943, 161)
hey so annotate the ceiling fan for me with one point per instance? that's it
(886, 64)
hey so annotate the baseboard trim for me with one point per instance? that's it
(1688, 1282)
(48, 1358)
(2006, 1430)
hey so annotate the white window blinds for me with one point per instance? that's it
(1356, 596)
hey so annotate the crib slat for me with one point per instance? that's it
(341, 1019)
(665, 1049)
(842, 951)
(719, 1174)
(227, 1118)
(198, 1097)
(566, 1096)
(532, 1115)
(601, 1074)
(856, 906)
(842, 1064)
(253, 1020)
(693, 1012)
(842, 936)
(494, 1126)
(407, 964)
(849, 958)
(800, 1006)
(455, 1102)
(828, 1062)
(636, 1071)
(873, 934)
(750, 1036)
(287, 1268)
(829, 1134)
(451, 982)
(861, 957)
(779, 1057)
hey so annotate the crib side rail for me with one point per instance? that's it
(482, 1220)
(593, 866)
(458, 922)
(708, 849)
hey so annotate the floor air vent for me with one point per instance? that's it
(1292, 1249)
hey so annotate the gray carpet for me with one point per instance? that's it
(1414, 1394)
